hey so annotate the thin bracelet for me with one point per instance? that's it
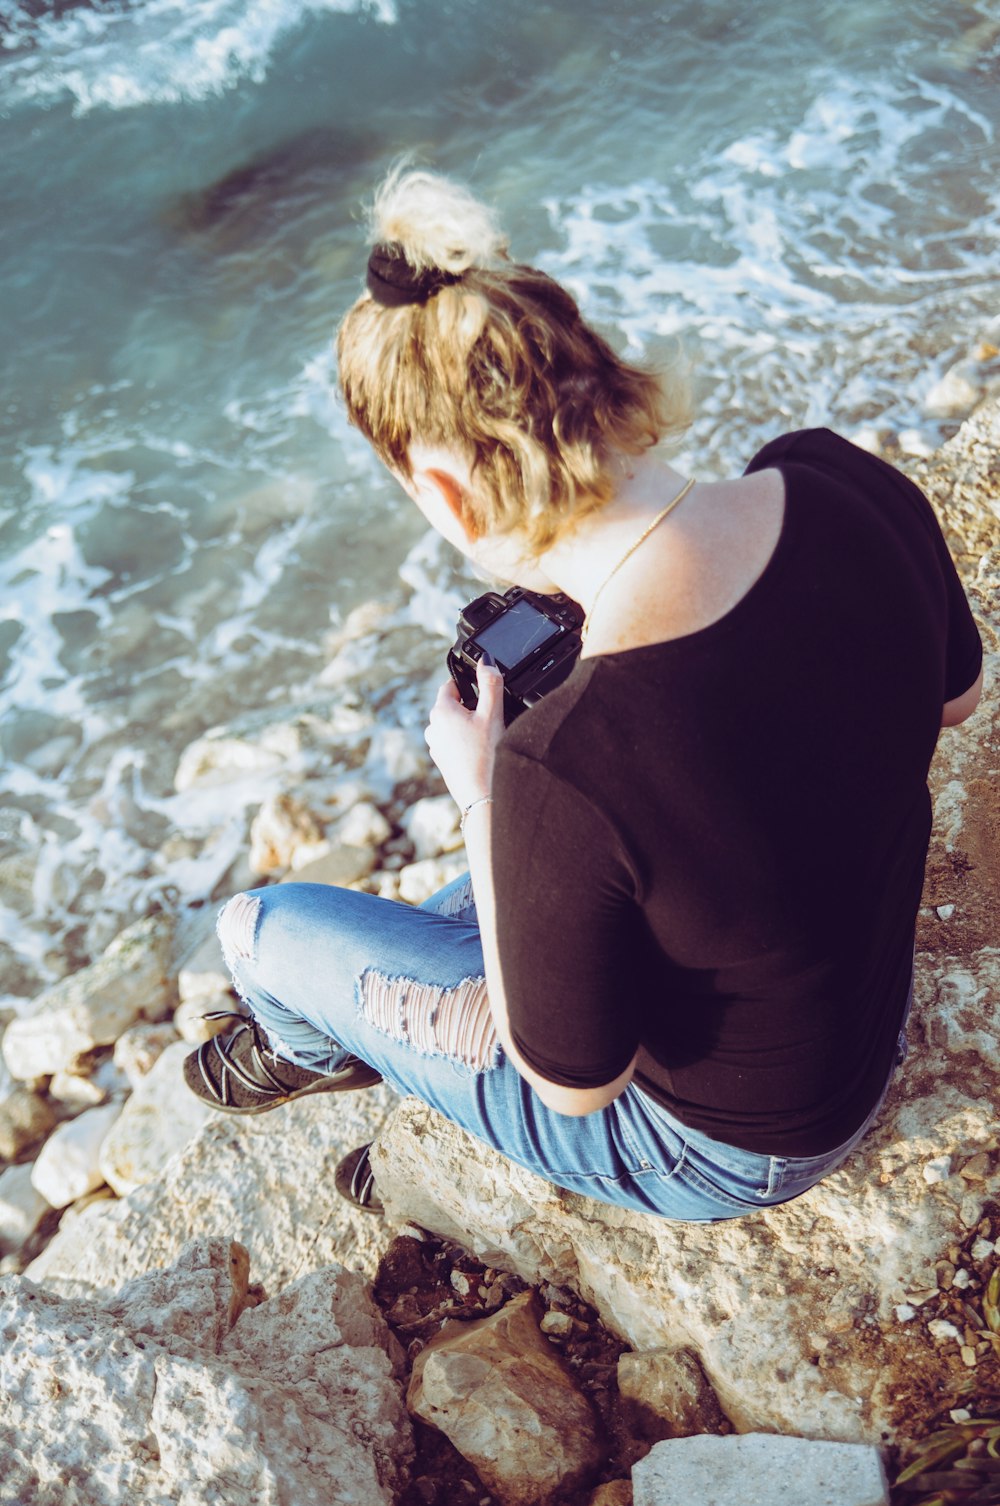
(480, 800)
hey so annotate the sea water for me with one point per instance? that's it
(804, 197)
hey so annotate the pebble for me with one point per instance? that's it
(968, 1356)
(940, 1330)
(937, 1170)
(945, 1274)
(557, 1323)
(904, 1312)
(977, 1169)
(961, 1279)
(944, 912)
(461, 1283)
(76, 1092)
(960, 1414)
(971, 1211)
(982, 1249)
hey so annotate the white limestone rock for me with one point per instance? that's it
(268, 1177)
(364, 826)
(418, 881)
(22, 1207)
(191, 1017)
(25, 1120)
(76, 1092)
(94, 1006)
(162, 1396)
(432, 825)
(283, 825)
(759, 1469)
(139, 1049)
(68, 1164)
(204, 974)
(160, 1118)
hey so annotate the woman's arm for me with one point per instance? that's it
(463, 744)
(961, 708)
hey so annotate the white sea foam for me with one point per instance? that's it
(809, 230)
(163, 51)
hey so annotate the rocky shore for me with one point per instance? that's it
(564, 1350)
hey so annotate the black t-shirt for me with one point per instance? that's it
(713, 848)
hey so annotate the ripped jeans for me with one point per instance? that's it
(328, 971)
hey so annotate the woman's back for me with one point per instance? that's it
(717, 842)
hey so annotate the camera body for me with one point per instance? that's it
(534, 639)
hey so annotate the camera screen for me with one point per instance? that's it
(517, 634)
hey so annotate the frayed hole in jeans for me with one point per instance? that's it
(434, 1021)
(237, 928)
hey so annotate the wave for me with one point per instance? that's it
(115, 55)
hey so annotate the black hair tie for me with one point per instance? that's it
(392, 281)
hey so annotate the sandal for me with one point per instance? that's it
(355, 1180)
(243, 1074)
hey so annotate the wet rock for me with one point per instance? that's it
(498, 1391)
(159, 1120)
(25, 1120)
(956, 394)
(759, 1470)
(139, 1049)
(95, 1006)
(176, 1389)
(22, 1207)
(271, 1174)
(68, 1165)
(665, 1394)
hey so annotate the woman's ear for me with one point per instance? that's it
(455, 498)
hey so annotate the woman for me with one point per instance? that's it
(697, 863)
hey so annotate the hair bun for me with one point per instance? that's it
(435, 222)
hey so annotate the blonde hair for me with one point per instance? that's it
(499, 367)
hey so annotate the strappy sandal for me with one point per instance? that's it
(355, 1180)
(243, 1074)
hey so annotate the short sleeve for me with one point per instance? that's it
(568, 926)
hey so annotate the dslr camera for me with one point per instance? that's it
(534, 639)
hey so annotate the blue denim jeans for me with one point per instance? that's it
(326, 971)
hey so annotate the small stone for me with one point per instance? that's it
(76, 1092)
(962, 1279)
(921, 1295)
(971, 1211)
(68, 1163)
(982, 1249)
(937, 1170)
(557, 1323)
(941, 1330)
(341, 866)
(281, 826)
(461, 1283)
(190, 1020)
(960, 1414)
(22, 1207)
(140, 1047)
(945, 1274)
(746, 1467)
(944, 912)
(25, 1120)
(977, 1168)
(364, 826)
(418, 881)
(904, 1312)
(968, 1356)
(432, 825)
(204, 974)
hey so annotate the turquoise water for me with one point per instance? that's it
(808, 196)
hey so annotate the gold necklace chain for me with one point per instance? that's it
(664, 512)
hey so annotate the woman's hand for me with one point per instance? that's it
(462, 743)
